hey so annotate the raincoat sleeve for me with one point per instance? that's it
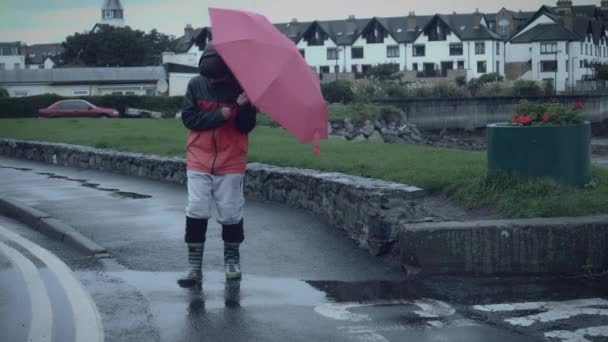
(195, 120)
(246, 119)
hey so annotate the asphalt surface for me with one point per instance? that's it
(303, 280)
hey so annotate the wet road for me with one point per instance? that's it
(303, 281)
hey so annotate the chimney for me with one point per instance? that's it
(410, 23)
(293, 27)
(604, 4)
(478, 18)
(188, 32)
(351, 25)
(564, 7)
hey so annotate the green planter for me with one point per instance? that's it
(559, 152)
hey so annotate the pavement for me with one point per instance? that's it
(303, 280)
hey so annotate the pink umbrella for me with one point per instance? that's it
(272, 72)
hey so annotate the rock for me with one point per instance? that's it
(376, 138)
(359, 137)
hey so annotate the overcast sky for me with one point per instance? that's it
(47, 21)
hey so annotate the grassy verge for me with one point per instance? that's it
(460, 174)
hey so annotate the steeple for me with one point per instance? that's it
(112, 13)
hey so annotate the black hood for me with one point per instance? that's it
(211, 65)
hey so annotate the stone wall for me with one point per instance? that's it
(368, 211)
(469, 113)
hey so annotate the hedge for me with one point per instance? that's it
(19, 107)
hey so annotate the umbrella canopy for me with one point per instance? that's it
(273, 73)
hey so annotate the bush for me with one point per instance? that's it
(495, 89)
(3, 92)
(367, 91)
(25, 107)
(447, 89)
(395, 91)
(29, 106)
(384, 72)
(493, 77)
(359, 113)
(461, 81)
(526, 88)
(528, 113)
(473, 86)
(548, 88)
(338, 92)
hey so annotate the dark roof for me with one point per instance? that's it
(546, 32)
(400, 29)
(183, 45)
(37, 53)
(586, 10)
(10, 44)
(83, 75)
(468, 27)
(293, 30)
(346, 32)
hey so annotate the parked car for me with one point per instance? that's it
(77, 108)
(142, 113)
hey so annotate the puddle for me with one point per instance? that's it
(15, 168)
(116, 193)
(129, 195)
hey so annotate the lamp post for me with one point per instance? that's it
(337, 68)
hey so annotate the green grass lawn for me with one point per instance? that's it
(460, 174)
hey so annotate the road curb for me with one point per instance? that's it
(51, 227)
(568, 245)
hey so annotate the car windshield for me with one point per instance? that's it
(90, 104)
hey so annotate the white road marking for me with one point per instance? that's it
(556, 311)
(578, 335)
(552, 311)
(429, 308)
(87, 322)
(41, 324)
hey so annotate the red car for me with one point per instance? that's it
(77, 108)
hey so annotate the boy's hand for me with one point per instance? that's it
(242, 100)
(226, 113)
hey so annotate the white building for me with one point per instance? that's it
(83, 81)
(11, 56)
(189, 47)
(112, 13)
(559, 45)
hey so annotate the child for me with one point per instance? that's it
(219, 117)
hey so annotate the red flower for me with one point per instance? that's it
(578, 106)
(546, 118)
(523, 120)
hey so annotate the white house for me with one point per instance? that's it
(11, 56)
(189, 47)
(559, 46)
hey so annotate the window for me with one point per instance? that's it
(80, 92)
(82, 105)
(547, 48)
(303, 53)
(480, 48)
(324, 69)
(567, 48)
(503, 27)
(419, 51)
(67, 105)
(332, 54)
(586, 49)
(497, 48)
(392, 51)
(482, 67)
(460, 65)
(456, 49)
(129, 93)
(548, 66)
(567, 66)
(356, 53)
(150, 92)
(581, 64)
(415, 66)
(14, 51)
(365, 68)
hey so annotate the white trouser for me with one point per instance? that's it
(225, 191)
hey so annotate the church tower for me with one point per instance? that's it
(112, 13)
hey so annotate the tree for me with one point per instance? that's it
(600, 71)
(115, 46)
(3, 92)
(384, 72)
